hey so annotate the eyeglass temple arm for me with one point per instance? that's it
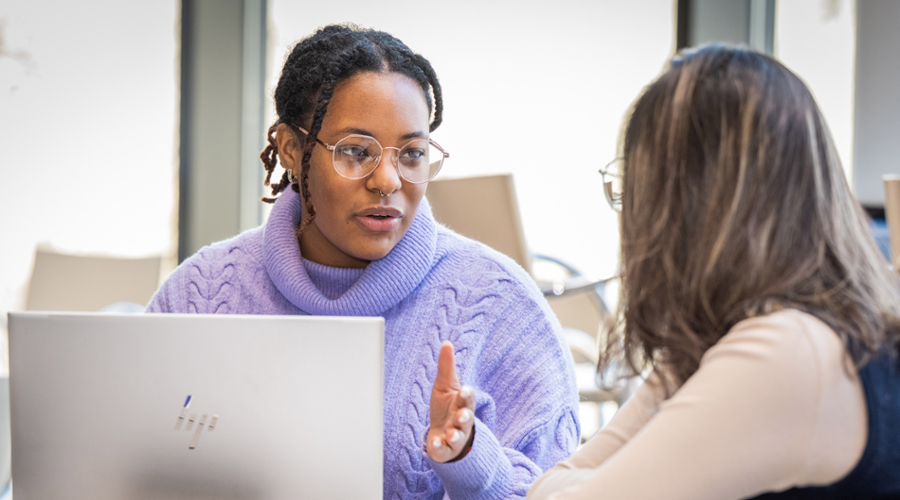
(329, 147)
(442, 150)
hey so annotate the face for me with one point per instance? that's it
(354, 223)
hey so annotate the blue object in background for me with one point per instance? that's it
(882, 236)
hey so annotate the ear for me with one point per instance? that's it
(290, 151)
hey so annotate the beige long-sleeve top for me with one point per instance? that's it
(775, 404)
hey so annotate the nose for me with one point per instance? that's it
(387, 180)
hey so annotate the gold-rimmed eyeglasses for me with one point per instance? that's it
(612, 183)
(356, 156)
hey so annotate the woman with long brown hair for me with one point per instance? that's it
(753, 295)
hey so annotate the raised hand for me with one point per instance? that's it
(451, 433)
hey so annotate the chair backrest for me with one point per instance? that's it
(61, 282)
(482, 208)
(486, 209)
(581, 307)
(892, 214)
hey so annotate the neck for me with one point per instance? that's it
(315, 247)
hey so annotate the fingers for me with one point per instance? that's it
(458, 433)
(465, 415)
(452, 411)
(458, 430)
(446, 376)
(439, 449)
(449, 440)
(465, 398)
(448, 444)
(455, 438)
(464, 419)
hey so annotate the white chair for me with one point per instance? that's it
(61, 282)
(483, 208)
(486, 209)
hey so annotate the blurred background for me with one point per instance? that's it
(132, 130)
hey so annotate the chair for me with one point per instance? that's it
(485, 208)
(61, 282)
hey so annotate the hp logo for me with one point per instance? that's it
(193, 418)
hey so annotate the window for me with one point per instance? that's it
(548, 81)
(87, 132)
(816, 39)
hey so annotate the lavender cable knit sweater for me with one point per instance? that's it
(435, 285)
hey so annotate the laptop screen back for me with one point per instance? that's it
(195, 406)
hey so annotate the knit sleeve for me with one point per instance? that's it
(526, 396)
(494, 471)
(164, 298)
(204, 283)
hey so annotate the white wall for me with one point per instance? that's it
(534, 88)
(877, 127)
(816, 40)
(87, 131)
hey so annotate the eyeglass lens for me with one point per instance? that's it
(612, 184)
(356, 156)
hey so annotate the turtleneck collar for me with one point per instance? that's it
(332, 281)
(383, 283)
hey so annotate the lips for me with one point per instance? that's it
(379, 218)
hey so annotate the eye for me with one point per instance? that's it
(413, 154)
(352, 151)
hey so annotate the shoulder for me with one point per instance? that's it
(219, 260)
(477, 265)
(491, 294)
(787, 337)
(788, 361)
(490, 284)
(791, 370)
(210, 274)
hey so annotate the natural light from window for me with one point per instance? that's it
(535, 89)
(87, 132)
(817, 40)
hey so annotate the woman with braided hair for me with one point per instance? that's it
(479, 390)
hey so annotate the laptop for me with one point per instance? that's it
(172, 406)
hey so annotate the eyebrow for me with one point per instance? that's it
(360, 131)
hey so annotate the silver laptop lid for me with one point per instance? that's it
(159, 406)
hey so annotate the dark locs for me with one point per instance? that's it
(311, 72)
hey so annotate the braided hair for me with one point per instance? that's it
(311, 71)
